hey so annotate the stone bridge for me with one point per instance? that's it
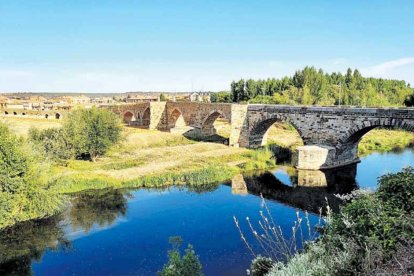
(330, 134)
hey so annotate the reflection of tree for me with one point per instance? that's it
(203, 188)
(101, 207)
(25, 242)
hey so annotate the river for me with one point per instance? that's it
(116, 232)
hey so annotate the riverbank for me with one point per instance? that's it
(148, 158)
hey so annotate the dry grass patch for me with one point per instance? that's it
(21, 126)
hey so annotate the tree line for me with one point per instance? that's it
(311, 86)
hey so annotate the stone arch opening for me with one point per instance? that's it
(57, 116)
(138, 119)
(6, 113)
(146, 117)
(176, 119)
(46, 116)
(275, 130)
(216, 126)
(23, 114)
(128, 117)
(279, 135)
(349, 148)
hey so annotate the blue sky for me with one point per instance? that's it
(180, 45)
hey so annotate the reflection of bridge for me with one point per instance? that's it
(300, 195)
(330, 134)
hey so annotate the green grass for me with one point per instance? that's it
(74, 183)
(382, 140)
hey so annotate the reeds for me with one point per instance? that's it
(272, 240)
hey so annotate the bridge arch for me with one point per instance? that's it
(138, 119)
(349, 144)
(128, 117)
(57, 116)
(259, 129)
(176, 119)
(146, 117)
(207, 125)
(6, 112)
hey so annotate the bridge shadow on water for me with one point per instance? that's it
(307, 190)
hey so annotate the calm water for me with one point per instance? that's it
(127, 232)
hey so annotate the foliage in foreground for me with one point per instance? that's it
(186, 265)
(369, 235)
(24, 194)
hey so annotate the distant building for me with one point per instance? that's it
(199, 97)
(102, 100)
(143, 98)
(81, 100)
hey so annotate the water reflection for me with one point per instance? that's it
(307, 190)
(26, 242)
(102, 207)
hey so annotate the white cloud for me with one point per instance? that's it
(389, 66)
(400, 69)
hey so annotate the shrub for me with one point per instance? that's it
(53, 142)
(187, 265)
(398, 189)
(13, 162)
(23, 183)
(260, 266)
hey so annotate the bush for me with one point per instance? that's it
(260, 266)
(23, 183)
(53, 143)
(187, 265)
(92, 131)
(13, 162)
(398, 189)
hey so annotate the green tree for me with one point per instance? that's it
(313, 86)
(163, 98)
(92, 131)
(409, 101)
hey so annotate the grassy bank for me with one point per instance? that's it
(382, 140)
(143, 158)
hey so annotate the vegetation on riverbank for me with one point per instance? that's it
(24, 194)
(372, 234)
